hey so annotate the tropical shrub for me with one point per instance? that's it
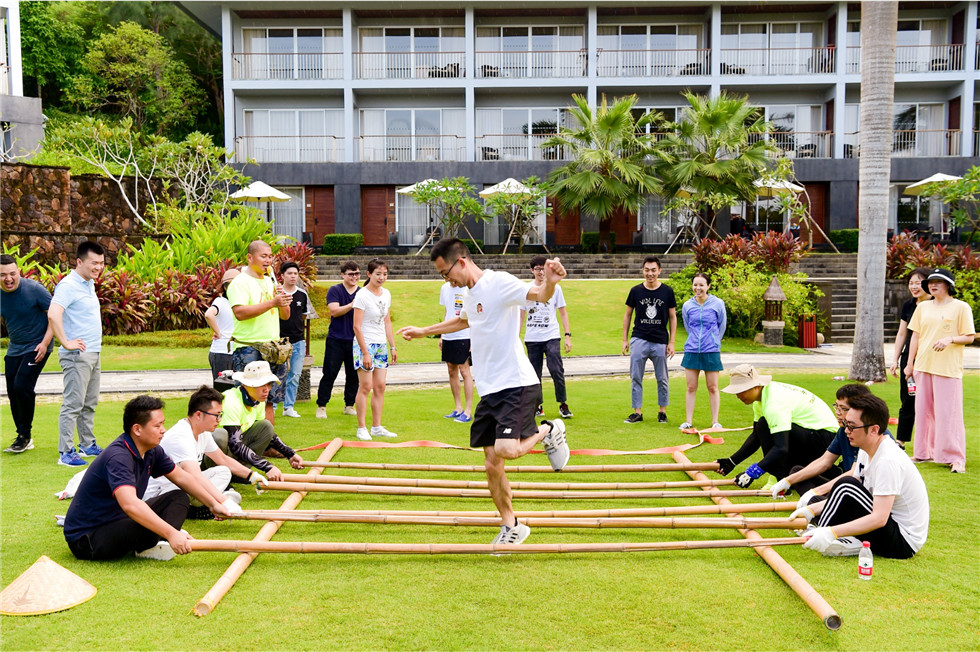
(968, 290)
(126, 306)
(845, 239)
(475, 244)
(906, 252)
(590, 242)
(768, 252)
(301, 254)
(342, 244)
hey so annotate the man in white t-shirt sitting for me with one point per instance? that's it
(543, 339)
(882, 499)
(188, 441)
(503, 422)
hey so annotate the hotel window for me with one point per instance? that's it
(770, 48)
(412, 134)
(292, 135)
(291, 53)
(659, 50)
(517, 134)
(411, 52)
(531, 51)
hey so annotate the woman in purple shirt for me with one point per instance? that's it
(705, 320)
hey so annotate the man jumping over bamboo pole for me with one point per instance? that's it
(503, 423)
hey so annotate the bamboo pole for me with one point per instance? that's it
(241, 563)
(789, 575)
(581, 513)
(494, 521)
(467, 484)
(254, 547)
(583, 468)
(483, 493)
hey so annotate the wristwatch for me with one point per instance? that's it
(567, 334)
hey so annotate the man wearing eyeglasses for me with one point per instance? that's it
(340, 341)
(881, 500)
(188, 442)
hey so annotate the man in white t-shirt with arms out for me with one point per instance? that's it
(503, 422)
(881, 500)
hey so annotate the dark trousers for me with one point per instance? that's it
(220, 362)
(21, 373)
(552, 350)
(116, 539)
(337, 353)
(804, 486)
(849, 500)
(906, 413)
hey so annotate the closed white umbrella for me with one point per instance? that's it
(917, 187)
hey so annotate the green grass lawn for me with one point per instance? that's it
(711, 599)
(595, 315)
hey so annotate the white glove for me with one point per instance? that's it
(232, 506)
(805, 499)
(820, 539)
(802, 512)
(256, 478)
(780, 489)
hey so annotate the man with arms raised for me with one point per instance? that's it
(882, 499)
(108, 518)
(503, 422)
(188, 441)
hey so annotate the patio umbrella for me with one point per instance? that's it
(916, 188)
(773, 187)
(258, 191)
(410, 190)
(511, 186)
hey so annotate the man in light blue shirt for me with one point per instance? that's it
(76, 321)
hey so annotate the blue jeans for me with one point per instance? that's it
(295, 371)
(640, 351)
(245, 354)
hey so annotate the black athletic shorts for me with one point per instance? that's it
(507, 414)
(456, 351)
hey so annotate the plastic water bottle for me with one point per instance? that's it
(911, 386)
(866, 561)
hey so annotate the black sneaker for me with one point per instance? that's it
(564, 412)
(661, 417)
(636, 417)
(199, 513)
(540, 411)
(20, 445)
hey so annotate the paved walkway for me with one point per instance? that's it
(837, 357)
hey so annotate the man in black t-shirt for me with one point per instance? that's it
(653, 310)
(340, 341)
(294, 328)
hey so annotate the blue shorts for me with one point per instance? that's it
(702, 361)
(377, 352)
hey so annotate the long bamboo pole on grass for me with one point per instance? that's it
(807, 593)
(491, 521)
(241, 563)
(254, 547)
(743, 508)
(477, 484)
(582, 468)
(483, 493)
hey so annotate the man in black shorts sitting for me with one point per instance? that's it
(503, 423)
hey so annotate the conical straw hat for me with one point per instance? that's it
(44, 588)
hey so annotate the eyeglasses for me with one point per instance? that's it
(537, 269)
(445, 274)
(840, 407)
(212, 414)
(352, 273)
(851, 428)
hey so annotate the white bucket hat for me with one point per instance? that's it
(255, 374)
(744, 377)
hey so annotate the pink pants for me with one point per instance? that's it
(940, 433)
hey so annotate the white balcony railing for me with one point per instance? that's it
(804, 144)
(537, 65)
(777, 61)
(412, 148)
(408, 65)
(915, 58)
(910, 142)
(285, 66)
(290, 149)
(652, 63)
(516, 147)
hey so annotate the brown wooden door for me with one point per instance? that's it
(815, 200)
(320, 212)
(377, 212)
(564, 224)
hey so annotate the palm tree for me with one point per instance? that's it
(608, 170)
(879, 22)
(711, 156)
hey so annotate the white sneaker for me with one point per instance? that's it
(381, 431)
(161, 552)
(234, 495)
(555, 445)
(350, 411)
(684, 426)
(321, 412)
(362, 434)
(718, 426)
(843, 547)
(290, 412)
(512, 535)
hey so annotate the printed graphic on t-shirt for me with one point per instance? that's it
(538, 317)
(650, 311)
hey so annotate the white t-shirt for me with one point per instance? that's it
(375, 310)
(452, 299)
(493, 309)
(179, 443)
(541, 319)
(226, 324)
(891, 473)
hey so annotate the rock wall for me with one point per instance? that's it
(49, 211)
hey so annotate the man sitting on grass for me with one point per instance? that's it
(188, 441)
(245, 433)
(882, 499)
(108, 518)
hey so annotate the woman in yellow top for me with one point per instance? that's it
(940, 329)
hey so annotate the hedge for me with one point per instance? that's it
(342, 244)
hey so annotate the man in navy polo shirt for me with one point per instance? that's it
(108, 518)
